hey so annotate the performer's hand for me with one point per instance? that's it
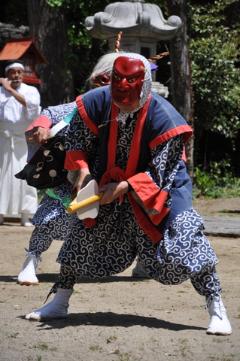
(38, 135)
(112, 191)
(82, 180)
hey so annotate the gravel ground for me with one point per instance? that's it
(119, 318)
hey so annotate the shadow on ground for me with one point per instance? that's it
(52, 277)
(110, 319)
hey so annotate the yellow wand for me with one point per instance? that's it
(86, 203)
(75, 206)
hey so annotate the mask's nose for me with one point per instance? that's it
(124, 83)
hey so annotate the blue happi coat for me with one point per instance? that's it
(155, 220)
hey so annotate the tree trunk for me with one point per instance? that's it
(181, 88)
(47, 27)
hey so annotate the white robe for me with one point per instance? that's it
(16, 196)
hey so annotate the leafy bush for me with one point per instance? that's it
(214, 51)
(217, 182)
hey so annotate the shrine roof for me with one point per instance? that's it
(15, 49)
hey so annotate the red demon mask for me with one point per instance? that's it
(127, 81)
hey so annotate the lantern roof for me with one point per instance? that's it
(134, 18)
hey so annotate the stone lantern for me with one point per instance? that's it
(142, 24)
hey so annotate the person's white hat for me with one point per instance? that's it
(14, 65)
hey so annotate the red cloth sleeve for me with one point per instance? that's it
(75, 159)
(151, 196)
(42, 121)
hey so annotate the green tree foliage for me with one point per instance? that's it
(215, 66)
(76, 12)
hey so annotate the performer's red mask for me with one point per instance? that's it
(127, 81)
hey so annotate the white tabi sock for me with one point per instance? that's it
(219, 323)
(57, 308)
(25, 220)
(27, 276)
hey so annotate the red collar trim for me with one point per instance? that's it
(88, 121)
(164, 137)
(136, 140)
(112, 140)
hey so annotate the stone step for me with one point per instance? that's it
(222, 226)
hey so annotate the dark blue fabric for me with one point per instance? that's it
(161, 117)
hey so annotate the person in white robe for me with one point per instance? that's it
(19, 105)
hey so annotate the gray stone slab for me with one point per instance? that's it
(222, 226)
